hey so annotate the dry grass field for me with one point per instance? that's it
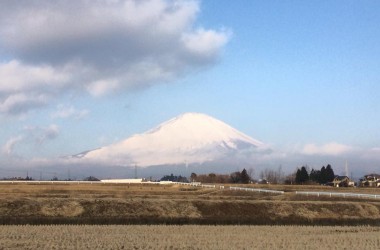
(174, 204)
(122, 216)
(188, 237)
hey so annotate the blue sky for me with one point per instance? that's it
(301, 76)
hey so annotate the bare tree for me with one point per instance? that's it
(251, 173)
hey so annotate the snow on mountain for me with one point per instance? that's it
(188, 138)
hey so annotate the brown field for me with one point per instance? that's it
(188, 237)
(174, 204)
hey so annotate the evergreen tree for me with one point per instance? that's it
(323, 176)
(302, 176)
(315, 175)
(298, 176)
(244, 177)
(329, 173)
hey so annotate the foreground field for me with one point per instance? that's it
(188, 237)
(174, 204)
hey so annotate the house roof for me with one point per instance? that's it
(340, 177)
(372, 175)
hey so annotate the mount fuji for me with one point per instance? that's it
(190, 138)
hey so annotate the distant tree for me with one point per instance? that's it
(302, 176)
(298, 176)
(222, 178)
(91, 178)
(193, 177)
(174, 178)
(251, 173)
(168, 177)
(280, 176)
(270, 176)
(212, 177)
(329, 173)
(235, 177)
(181, 179)
(262, 175)
(273, 176)
(323, 176)
(290, 179)
(244, 177)
(314, 175)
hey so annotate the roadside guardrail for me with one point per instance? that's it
(260, 190)
(335, 194)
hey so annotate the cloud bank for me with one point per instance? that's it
(331, 149)
(97, 47)
(30, 136)
(360, 160)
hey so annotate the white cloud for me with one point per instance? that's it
(102, 87)
(333, 149)
(99, 47)
(31, 136)
(67, 111)
(42, 134)
(10, 144)
(21, 102)
(205, 41)
(15, 77)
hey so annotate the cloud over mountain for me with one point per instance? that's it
(97, 47)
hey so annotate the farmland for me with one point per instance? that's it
(146, 216)
(174, 204)
(188, 237)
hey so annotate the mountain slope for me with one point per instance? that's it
(191, 138)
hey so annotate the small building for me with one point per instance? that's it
(342, 181)
(263, 181)
(370, 180)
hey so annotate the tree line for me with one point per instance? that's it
(322, 176)
(242, 177)
(300, 176)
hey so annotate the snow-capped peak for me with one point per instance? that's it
(190, 137)
(200, 128)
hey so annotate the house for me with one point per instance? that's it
(342, 181)
(263, 181)
(370, 180)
